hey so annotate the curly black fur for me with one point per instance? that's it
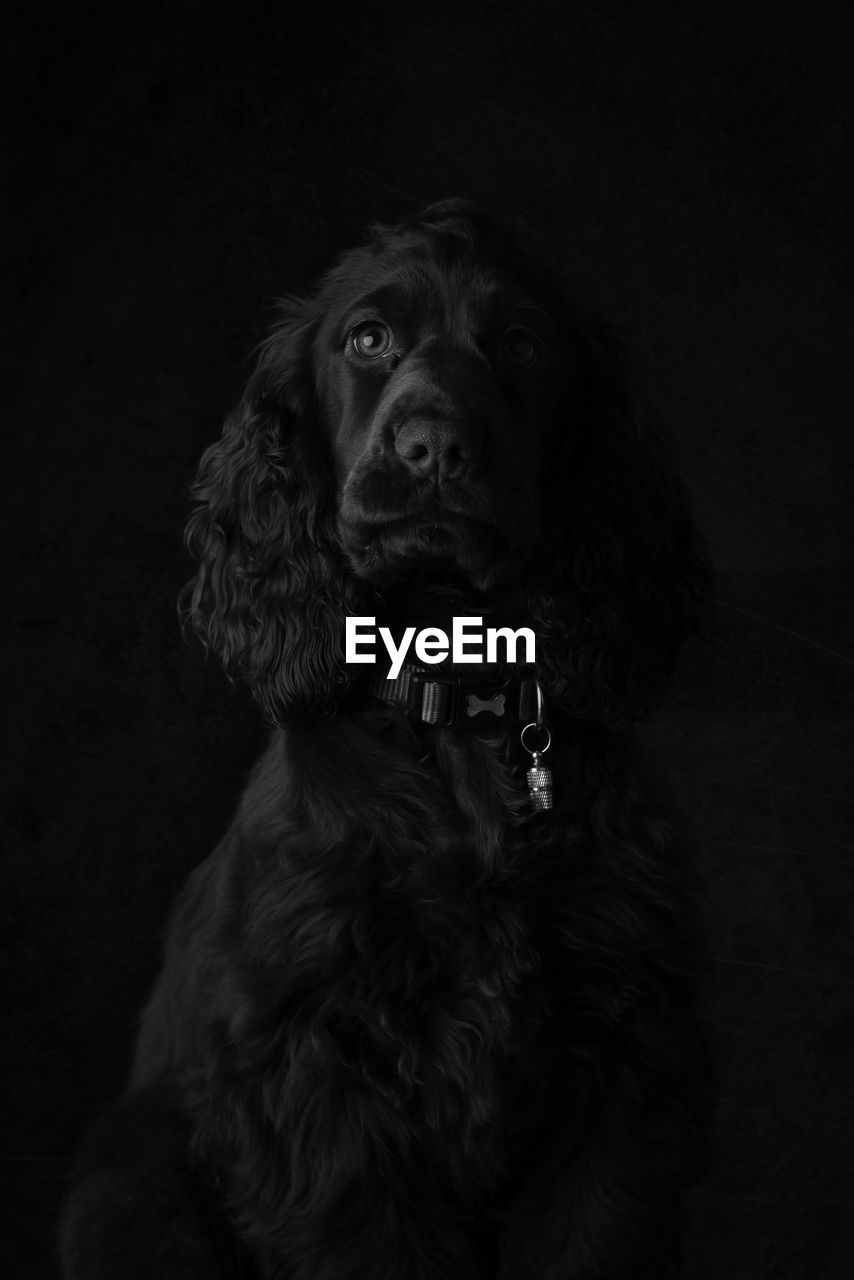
(405, 1028)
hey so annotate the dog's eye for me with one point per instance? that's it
(371, 340)
(519, 348)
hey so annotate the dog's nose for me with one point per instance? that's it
(437, 447)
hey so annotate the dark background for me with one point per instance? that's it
(175, 168)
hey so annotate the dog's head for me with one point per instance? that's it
(434, 414)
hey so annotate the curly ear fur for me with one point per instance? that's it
(271, 591)
(628, 578)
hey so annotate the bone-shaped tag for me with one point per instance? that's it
(474, 705)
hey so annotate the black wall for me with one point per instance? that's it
(177, 167)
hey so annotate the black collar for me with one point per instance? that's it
(461, 697)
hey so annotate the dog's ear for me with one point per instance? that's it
(626, 577)
(270, 593)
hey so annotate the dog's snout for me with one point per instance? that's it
(438, 447)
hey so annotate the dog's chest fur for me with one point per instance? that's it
(388, 1002)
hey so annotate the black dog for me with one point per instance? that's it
(412, 1021)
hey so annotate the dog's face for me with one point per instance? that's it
(438, 376)
(435, 416)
